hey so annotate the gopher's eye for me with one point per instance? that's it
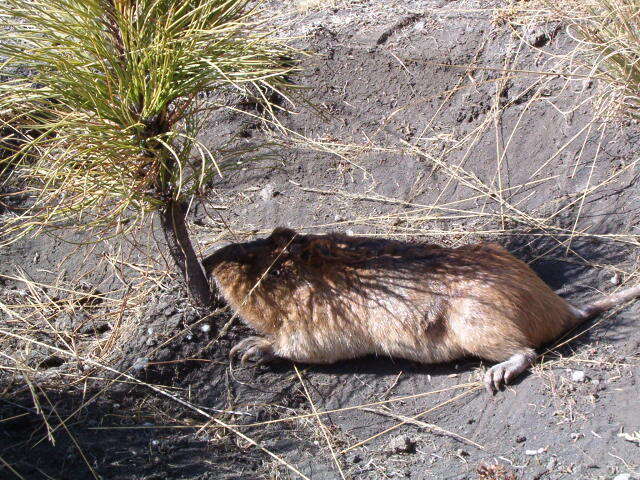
(274, 272)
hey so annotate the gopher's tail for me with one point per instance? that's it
(593, 309)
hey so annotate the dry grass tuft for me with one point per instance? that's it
(111, 108)
(83, 322)
(609, 33)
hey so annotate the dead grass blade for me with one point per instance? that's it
(421, 424)
(11, 469)
(165, 394)
(322, 426)
(357, 407)
(474, 388)
(72, 437)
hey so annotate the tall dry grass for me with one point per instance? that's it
(609, 35)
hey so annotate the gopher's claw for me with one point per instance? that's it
(502, 373)
(257, 348)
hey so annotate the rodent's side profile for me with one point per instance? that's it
(324, 298)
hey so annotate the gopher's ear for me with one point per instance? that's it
(282, 236)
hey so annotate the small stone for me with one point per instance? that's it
(205, 327)
(267, 192)
(622, 476)
(155, 443)
(578, 376)
(616, 279)
(151, 342)
(150, 331)
(163, 355)
(349, 233)
(173, 322)
(631, 437)
(402, 444)
(141, 363)
(189, 337)
(531, 453)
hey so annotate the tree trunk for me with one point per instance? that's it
(172, 218)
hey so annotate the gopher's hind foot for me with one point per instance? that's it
(257, 348)
(502, 373)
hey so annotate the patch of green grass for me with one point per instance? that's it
(610, 30)
(110, 106)
(107, 105)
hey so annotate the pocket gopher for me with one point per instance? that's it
(325, 298)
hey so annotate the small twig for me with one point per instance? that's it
(415, 417)
(324, 429)
(71, 436)
(11, 469)
(422, 424)
(357, 407)
(164, 394)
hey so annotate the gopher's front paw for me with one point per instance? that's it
(257, 348)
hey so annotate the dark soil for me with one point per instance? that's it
(517, 158)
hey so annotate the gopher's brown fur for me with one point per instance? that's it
(324, 298)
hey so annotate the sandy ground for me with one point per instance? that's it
(449, 121)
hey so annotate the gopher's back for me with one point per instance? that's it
(323, 298)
